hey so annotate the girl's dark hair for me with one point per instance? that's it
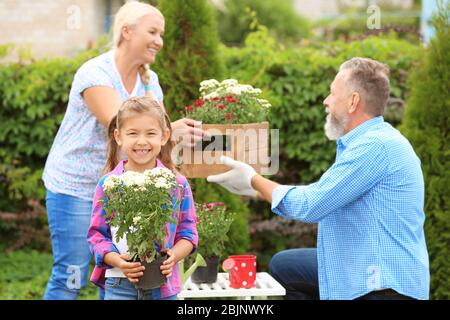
(133, 106)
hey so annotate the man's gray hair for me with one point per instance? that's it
(370, 79)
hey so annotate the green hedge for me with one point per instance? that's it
(426, 125)
(190, 52)
(33, 99)
(238, 17)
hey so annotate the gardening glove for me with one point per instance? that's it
(238, 179)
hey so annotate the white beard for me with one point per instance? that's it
(334, 128)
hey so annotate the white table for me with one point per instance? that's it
(265, 286)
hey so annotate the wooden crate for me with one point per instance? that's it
(244, 142)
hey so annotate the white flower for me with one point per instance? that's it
(159, 171)
(160, 177)
(137, 219)
(131, 178)
(248, 88)
(241, 89)
(229, 82)
(111, 182)
(163, 171)
(132, 230)
(237, 90)
(161, 183)
(211, 96)
(264, 103)
(208, 85)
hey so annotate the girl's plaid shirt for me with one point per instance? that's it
(100, 239)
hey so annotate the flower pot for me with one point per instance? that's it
(206, 274)
(243, 142)
(152, 278)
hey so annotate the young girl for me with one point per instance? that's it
(142, 131)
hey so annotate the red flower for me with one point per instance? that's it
(212, 205)
(231, 99)
(199, 103)
(189, 108)
(220, 107)
(228, 116)
(216, 99)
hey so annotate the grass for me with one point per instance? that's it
(24, 275)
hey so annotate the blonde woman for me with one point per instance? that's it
(78, 152)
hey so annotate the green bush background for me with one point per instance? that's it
(296, 79)
(237, 19)
(426, 124)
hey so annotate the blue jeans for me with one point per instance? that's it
(68, 218)
(122, 289)
(296, 270)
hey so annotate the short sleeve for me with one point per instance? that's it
(91, 76)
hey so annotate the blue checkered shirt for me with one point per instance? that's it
(369, 210)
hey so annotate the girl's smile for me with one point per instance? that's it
(141, 151)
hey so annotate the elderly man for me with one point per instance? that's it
(368, 204)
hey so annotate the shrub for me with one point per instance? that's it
(33, 99)
(354, 23)
(190, 52)
(426, 125)
(234, 22)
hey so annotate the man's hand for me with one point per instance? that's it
(238, 180)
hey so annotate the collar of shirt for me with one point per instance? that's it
(345, 140)
(120, 168)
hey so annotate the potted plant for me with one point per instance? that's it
(235, 117)
(213, 224)
(140, 205)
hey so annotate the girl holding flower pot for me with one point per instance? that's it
(78, 152)
(142, 131)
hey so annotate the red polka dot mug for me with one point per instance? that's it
(242, 271)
